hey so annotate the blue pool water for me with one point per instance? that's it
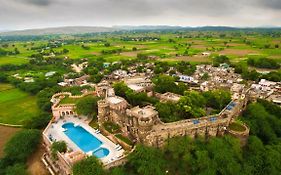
(81, 137)
(101, 152)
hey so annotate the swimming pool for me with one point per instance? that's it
(82, 138)
(101, 152)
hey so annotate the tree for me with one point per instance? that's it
(185, 68)
(220, 59)
(59, 146)
(65, 51)
(120, 89)
(22, 145)
(168, 112)
(205, 76)
(192, 104)
(89, 166)
(263, 63)
(262, 124)
(16, 51)
(106, 44)
(87, 106)
(16, 169)
(3, 78)
(147, 161)
(117, 171)
(164, 83)
(217, 99)
(254, 156)
(226, 153)
(96, 78)
(40, 121)
(44, 96)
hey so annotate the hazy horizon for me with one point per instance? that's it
(36, 14)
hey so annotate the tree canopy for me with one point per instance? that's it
(263, 63)
(58, 146)
(166, 83)
(87, 106)
(89, 166)
(22, 144)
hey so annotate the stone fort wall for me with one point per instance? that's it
(155, 135)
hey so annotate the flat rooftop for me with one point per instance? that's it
(135, 87)
(144, 112)
(114, 100)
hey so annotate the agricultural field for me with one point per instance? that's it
(187, 46)
(16, 106)
(52, 55)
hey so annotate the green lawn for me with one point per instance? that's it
(16, 106)
(68, 100)
(124, 139)
(235, 126)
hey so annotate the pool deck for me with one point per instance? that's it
(56, 132)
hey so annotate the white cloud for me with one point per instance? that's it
(19, 14)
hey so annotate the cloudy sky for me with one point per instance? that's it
(23, 14)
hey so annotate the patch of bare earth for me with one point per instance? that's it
(5, 134)
(199, 47)
(188, 58)
(130, 54)
(34, 164)
(95, 53)
(275, 56)
(199, 42)
(140, 46)
(235, 44)
(276, 42)
(237, 52)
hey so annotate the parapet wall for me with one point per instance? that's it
(241, 135)
(205, 126)
(58, 109)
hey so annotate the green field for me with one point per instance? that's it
(179, 49)
(68, 100)
(16, 106)
(13, 60)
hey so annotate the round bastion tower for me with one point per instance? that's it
(145, 125)
(103, 111)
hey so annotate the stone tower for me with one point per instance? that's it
(103, 111)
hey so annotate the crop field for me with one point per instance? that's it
(16, 106)
(13, 60)
(168, 46)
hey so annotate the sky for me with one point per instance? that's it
(26, 14)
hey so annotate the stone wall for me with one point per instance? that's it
(162, 132)
(215, 125)
(241, 135)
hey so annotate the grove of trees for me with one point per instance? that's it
(263, 63)
(193, 104)
(17, 150)
(87, 106)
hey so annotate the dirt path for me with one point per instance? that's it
(35, 165)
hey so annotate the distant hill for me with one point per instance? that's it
(59, 30)
(89, 29)
(150, 27)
